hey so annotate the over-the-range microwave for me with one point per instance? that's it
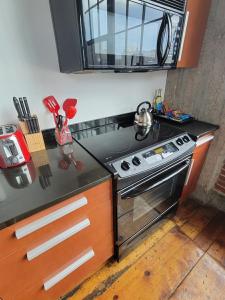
(119, 35)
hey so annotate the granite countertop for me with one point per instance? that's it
(49, 178)
(195, 128)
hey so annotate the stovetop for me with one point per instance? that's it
(111, 142)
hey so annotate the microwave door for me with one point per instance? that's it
(121, 34)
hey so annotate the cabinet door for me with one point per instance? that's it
(198, 160)
(194, 28)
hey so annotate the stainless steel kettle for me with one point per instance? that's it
(143, 116)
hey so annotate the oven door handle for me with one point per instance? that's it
(133, 195)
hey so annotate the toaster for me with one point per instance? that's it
(13, 148)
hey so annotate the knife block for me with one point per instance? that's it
(35, 141)
(23, 127)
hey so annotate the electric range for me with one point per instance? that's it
(149, 168)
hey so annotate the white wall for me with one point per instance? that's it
(29, 67)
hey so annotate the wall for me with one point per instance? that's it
(29, 67)
(201, 91)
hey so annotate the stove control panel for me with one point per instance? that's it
(154, 156)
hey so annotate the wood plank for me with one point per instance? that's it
(217, 250)
(209, 234)
(198, 221)
(159, 272)
(104, 278)
(205, 282)
(185, 212)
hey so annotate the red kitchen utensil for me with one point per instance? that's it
(52, 105)
(69, 102)
(70, 112)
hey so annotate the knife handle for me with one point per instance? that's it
(26, 106)
(17, 107)
(36, 123)
(29, 125)
(22, 107)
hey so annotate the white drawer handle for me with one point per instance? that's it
(57, 239)
(68, 270)
(59, 213)
(204, 140)
(189, 172)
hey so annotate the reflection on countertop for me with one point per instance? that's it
(52, 176)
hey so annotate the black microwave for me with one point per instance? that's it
(119, 35)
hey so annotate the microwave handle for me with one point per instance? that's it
(159, 41)
(169, 42)
(133, 195)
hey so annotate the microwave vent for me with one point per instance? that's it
(178, 5)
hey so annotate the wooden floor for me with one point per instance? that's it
(183, 258)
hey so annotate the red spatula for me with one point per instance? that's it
(53, 106)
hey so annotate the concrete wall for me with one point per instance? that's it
(29, 67)
(201, 91)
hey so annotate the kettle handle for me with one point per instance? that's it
(145, 102)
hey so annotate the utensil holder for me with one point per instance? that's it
(63, 136)
(35, 141)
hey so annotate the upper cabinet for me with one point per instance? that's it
(119, 35)
(197, 12)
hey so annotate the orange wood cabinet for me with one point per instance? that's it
(194, 28)
(48, 254)
(198, 159)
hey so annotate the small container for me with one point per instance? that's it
(63, 136)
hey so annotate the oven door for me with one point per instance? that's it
(129, 35)
(144, 203)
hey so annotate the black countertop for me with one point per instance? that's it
(195, 128)
(50, 178)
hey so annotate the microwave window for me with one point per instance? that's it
(121, 33)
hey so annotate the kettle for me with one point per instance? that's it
(143, 116)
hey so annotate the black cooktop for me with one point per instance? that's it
(113, 141)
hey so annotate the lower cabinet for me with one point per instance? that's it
(198, 159)
(53, 251)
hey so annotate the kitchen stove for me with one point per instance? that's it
(149, 167)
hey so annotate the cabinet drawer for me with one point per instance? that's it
(31, 260)
(25, 273)
(43, 225)
(102, 252)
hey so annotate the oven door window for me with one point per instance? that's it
(121, 34)
(138, 209)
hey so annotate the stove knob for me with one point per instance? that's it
(186, 139)
(136, 161)
(179, 142)
(125, 165)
